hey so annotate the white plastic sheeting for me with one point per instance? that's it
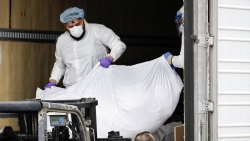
(131, 99)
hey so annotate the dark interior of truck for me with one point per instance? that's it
(147, 28)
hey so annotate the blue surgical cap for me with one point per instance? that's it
(178, 16)
(71, 14)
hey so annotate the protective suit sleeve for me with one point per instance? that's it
(111, 40)
(181, 10)
(59, 67)
(178, 61)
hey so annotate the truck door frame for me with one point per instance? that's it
(188, 73)
(196, 113)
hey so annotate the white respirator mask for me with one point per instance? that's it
(76, 31)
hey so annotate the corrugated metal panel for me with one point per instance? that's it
(234, 70)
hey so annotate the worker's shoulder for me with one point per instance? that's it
(63, 36)
(97, 26)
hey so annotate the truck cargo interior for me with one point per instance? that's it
(146, 27)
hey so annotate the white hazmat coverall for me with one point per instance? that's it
(178, 61)
(75, 59)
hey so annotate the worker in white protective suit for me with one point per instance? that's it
(81, 47)
(178, 61)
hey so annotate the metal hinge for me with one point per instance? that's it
(209, 106)
(194, 38)
(204, 40)
(210, 40)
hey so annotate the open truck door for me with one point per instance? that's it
(199, 43)
(217, 75)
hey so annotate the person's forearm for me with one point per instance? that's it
(57, 72)
(117, 50)
(53, 80)
(110, 57)
(178, 61)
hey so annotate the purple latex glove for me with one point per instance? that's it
(105, 62)
(49, 85)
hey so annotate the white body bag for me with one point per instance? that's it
(131, 99)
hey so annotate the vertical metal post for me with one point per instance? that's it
(94, 121)
(189, 72)
(213, 30)
(10, 11)
(42, 125)
(196, 70)
(0, 54)
(201, 69)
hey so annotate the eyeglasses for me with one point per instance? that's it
(76, 22)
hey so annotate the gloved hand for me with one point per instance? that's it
(168, 56)
(49, 85)
(105, 62)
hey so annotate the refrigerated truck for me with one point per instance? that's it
(217, 70)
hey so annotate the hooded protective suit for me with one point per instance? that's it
(178, 61)
(75, 59)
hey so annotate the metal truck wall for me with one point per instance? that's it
(39, 15)
(233, 70)
(4, 13)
